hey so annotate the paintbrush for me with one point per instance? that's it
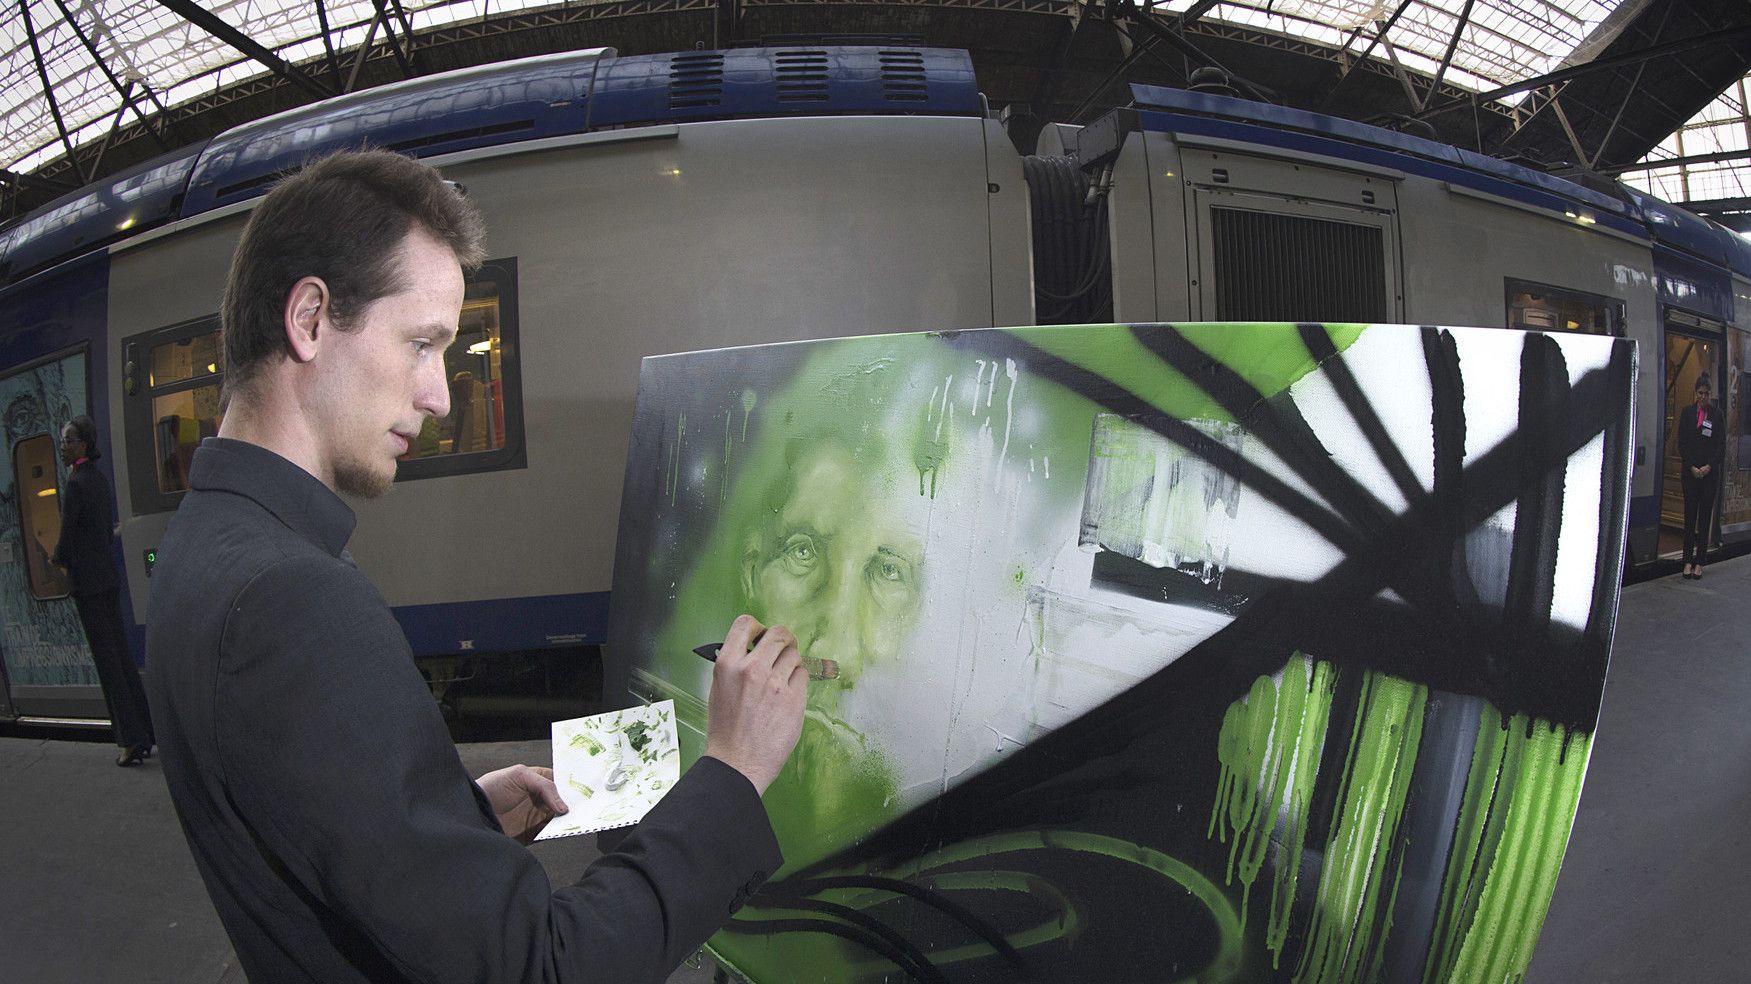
(819, 669)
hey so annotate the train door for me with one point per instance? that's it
(49, 672)
(1693, 349)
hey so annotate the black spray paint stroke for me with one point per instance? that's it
(1337, 371)
(1258, 639)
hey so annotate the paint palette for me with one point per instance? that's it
(1167, 652)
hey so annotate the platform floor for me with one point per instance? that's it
(98, 886)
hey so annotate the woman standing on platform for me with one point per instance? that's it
(1701, 437)
(87, 530)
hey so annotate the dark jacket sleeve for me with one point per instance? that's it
(333, 748)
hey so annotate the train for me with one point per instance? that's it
(648, 204)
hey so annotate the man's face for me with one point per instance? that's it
(71, 446)
(385, 374)
(1703, 393)
(835, 566)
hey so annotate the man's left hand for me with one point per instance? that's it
(523, 798)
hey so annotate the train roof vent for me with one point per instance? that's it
(801, 75)
(696, 79)
(771, 82)
(903, 78)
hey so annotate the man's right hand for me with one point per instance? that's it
(757, 697)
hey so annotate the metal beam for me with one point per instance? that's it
(364, 52)
(42, 72)
(1404, 78)
(31, 181)
(194, 14)
(389, 35)
(1452, 46)
(327, 40)
(1053, 74)
(121, 90)
(1728, 36)
(1721, 158)
(1174, 39)
(1568, 128)
(1136, 55)
(1344, 74)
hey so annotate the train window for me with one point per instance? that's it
(186, 358)
(484, 429)
(1541, 307)
(177, 406)
(39, 514)
(180, 421)
(474, 365)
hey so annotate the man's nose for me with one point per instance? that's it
(433, 393)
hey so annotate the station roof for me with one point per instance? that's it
(88, 87)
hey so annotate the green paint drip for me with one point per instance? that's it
(1343, 933)
(1534, 813)
(1269, 750)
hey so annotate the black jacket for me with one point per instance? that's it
(1696, 448)
(87, 529)
(329, 815)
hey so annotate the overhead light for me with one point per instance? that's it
(45, 493)
(125, 224)
(1571, 215)
(480, 348)
(212, 367)
(1586, 219)
(673, 172)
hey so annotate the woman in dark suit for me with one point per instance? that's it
(1701, 438)
(87, 529)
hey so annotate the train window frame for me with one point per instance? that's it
(1615, 315)
(138, 394)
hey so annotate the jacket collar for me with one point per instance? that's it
(294, 496)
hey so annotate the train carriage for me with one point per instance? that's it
(699, 200)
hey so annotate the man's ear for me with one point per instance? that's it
(306, 318)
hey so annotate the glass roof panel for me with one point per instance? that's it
(163, 55)
(1502, 42)
(1683, 169)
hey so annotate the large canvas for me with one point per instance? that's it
(1203, 652)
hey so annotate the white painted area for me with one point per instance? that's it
(1088, 651)
(1577, 545)
(1350, 449)
(1393, 374)
(1489, 364)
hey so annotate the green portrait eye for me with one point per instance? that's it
(889, 572)
(799, 554)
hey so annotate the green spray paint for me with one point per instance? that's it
(1348, 924)
(829, 962)
(1518, 810)
(1269, 749)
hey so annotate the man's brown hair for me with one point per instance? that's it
(340, 218)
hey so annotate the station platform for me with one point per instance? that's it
(99, 886)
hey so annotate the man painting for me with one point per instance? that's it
(326, 808)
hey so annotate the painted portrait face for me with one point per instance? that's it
(835, 563)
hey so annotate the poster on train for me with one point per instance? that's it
(1214, 652)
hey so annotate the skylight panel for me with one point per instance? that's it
(1503, 41)
(176, 59)
(1721, 127)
